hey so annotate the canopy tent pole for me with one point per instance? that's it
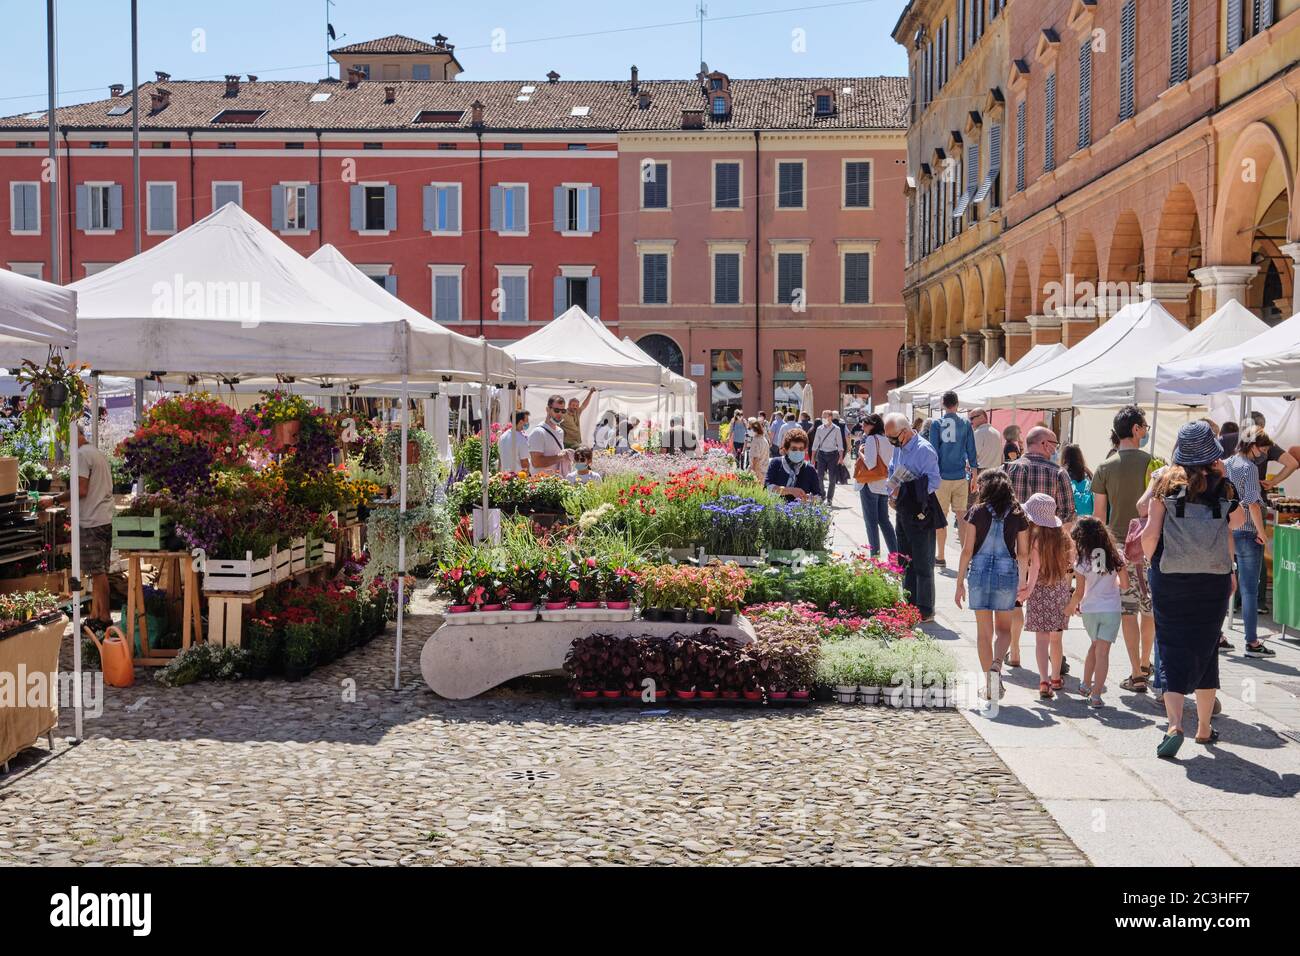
(1155, 423)
(401, 538)
(94, 410)
(74, 498)
(485, 437)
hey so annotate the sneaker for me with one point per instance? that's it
(1260, 649)
(1264, 609)
(1225, 645)
(940, 563)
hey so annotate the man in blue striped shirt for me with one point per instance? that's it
(913, 480)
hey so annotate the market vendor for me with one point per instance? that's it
(546, 451)
(572, 422)
(95, 490)
(790, 474)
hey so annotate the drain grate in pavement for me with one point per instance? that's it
(1290, 735)
(528, 775)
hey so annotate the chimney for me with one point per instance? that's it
(552, 77)
(162, 76)
(117, 89)
(636, 83)
(476, 113)
(692, 119)
(440, 43)
(390, 94)
(159, 99)
(252, 78)
(232, 84)
(643, 100)
(355, 76)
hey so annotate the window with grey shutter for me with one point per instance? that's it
(115, 206)
(789, 185)
(446, 298)
(1263, 15)
(961, 29)
(1179, 15)
(1049, 123)
(857, 278)
(726, 186)
(789, 276)
(857, 184)
(1235, 23)
(1020, 146)
(654, 191)
(223, 193)
(1085, 94)
(654, 278)
(1127, 59)
(989, 187)
(25, 214)
(162, 212)
(515, 298)
(726, 278)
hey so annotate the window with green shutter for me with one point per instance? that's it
(726, 186)
(857, 278)
(726, 278)
(789, 276)
(789, 185)
(654, 190)
(857, 184)
(654, 278)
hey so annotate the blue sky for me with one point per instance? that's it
(284, 39)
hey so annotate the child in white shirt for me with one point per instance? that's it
(582, 471)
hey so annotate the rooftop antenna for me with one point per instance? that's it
(330, 35)
(701, 11)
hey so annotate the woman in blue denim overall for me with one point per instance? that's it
(994, 566)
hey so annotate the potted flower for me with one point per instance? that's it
(555, 574)
(299, 643)
(458, 585)
(653, 596)
(282, 412)
(726, 587)
(586, 574)
(54, 392)
(618, 582)
(525, 586)
(491, 578)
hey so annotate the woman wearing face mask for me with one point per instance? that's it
(790, 474)
(759, 447)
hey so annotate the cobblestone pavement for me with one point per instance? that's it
(272, 772)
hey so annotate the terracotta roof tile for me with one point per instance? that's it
(878, 102)
(390, 44)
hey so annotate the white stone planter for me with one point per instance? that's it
(941, 696)
(915, 697)
(894, 696)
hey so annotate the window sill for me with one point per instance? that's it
(728, 208)
(445, 233)
(24, 232)
(656, 208)
(655, 305)
(521, 235)
(99, 232)
(296, 232)
(791, 208)
(727, 305)
(373, 232)
(160, 232)
(576, 235)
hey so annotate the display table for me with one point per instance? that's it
(463, 661)
(22, 655)
(177, 570)
(1286, 576)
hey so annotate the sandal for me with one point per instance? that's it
(1084, 690)
(1045, 690)
(1006, 658)
(1206, 741)
(1058, 684)
(1095, 702)
(1168, 748)
(1135, 684)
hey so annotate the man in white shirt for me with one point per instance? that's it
(512, 446)
(95, 489)
(988, 441)
(546, 450)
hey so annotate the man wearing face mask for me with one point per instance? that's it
(913, 480)
(790, 474)
(546, 451)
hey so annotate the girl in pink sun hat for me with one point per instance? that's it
(1048, 590)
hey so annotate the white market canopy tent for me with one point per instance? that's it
(1221, 371)
(935, 381)
(35, 317)
(228, 297)
(1273, 375)
(1115, 349)
(1231, 325)
(977, 372)
(575, 349)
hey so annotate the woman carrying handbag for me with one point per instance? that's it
(870, 472)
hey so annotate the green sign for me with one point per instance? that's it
(1286, 575)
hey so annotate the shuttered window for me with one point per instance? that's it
(1127, 59)
(1263, 14)
(961, 29)
(789, 185)
(726, 186)
(654, 191)
(25, 208)
(446, 298)
(1085, 94)
(857, 278)
(1020, 146)
(789, 276)
(857, 184)
(1235, 8)
(989, 187)
(1179, 17)
(161, 198)
(1049, 123)
(514, 298)
(654, 278)
(726, 278)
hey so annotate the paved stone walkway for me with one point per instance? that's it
(1096, 771)
(270, 772)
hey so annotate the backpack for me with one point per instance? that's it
(1082, 495)
(1195, 537)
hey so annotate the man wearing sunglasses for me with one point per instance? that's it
(546, 451)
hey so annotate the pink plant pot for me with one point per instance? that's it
(588, 694)
(633, 694)
(708, 695)
(493, 607)
(461, 608)
(753, 695)
(618, 605)
(588, 605)
(556, 605)
(799, 694)
(731, 695)
(522, 606)
(778, 694)
(611, 694)
(686, 695)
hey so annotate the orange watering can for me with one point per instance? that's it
(114, 657)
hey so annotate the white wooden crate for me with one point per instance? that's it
(242, 575)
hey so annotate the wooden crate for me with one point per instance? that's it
(330, 553)
(242, 575)
(297, 555)
(315, 552)
(281, 560)
(141, 533)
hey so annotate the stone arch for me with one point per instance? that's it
(974, 319)
(1020, 302)
(1084, 271)
(1257, 171)
(994, 281)
(938, 314)
(956, 305)
(1049, 277)
(1125, 265)
(917, 336)
(1178, 237)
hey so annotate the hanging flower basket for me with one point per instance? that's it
(285, 434)
(54, 395)
(412, 452)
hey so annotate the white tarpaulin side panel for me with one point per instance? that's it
(574, 348)
(1116, 348)
(1222, 371)
(33, 316)
(1231, 325)
(1272, 375)
(462, 352)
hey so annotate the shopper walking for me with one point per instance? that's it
(1116, 487)
(988, 442)
(1248, 540)
(1189, 542)
(1099, 576)
(871, 472)
(739, 428)
(995, 560)
(827, 443)
(913, 481)
(1047, 592)
(953, 439)
(1080, 475)
(759, 449)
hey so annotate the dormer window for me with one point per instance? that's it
(716, 83)
(824, 102)
(719, 106)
